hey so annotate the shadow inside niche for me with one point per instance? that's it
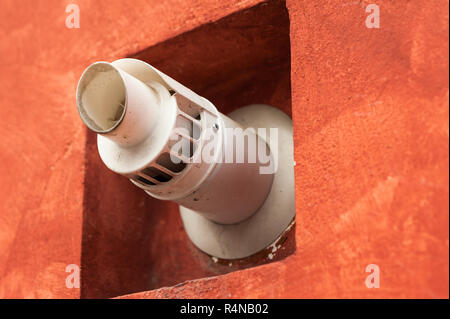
(132, 242)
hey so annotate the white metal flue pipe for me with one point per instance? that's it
(139, 121)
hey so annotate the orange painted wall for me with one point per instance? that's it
(371, 133)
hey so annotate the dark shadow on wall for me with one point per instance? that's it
(132, 242)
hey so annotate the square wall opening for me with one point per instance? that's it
(132, 242)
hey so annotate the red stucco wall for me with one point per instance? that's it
(371, 132)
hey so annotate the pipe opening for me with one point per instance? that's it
(101, 97)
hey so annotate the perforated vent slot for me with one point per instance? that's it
(156, 174)
(189, 126)
(182, 145)
(184, 139)
(188, 107)
(164, 160)
(196, 130)
(144, 180)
